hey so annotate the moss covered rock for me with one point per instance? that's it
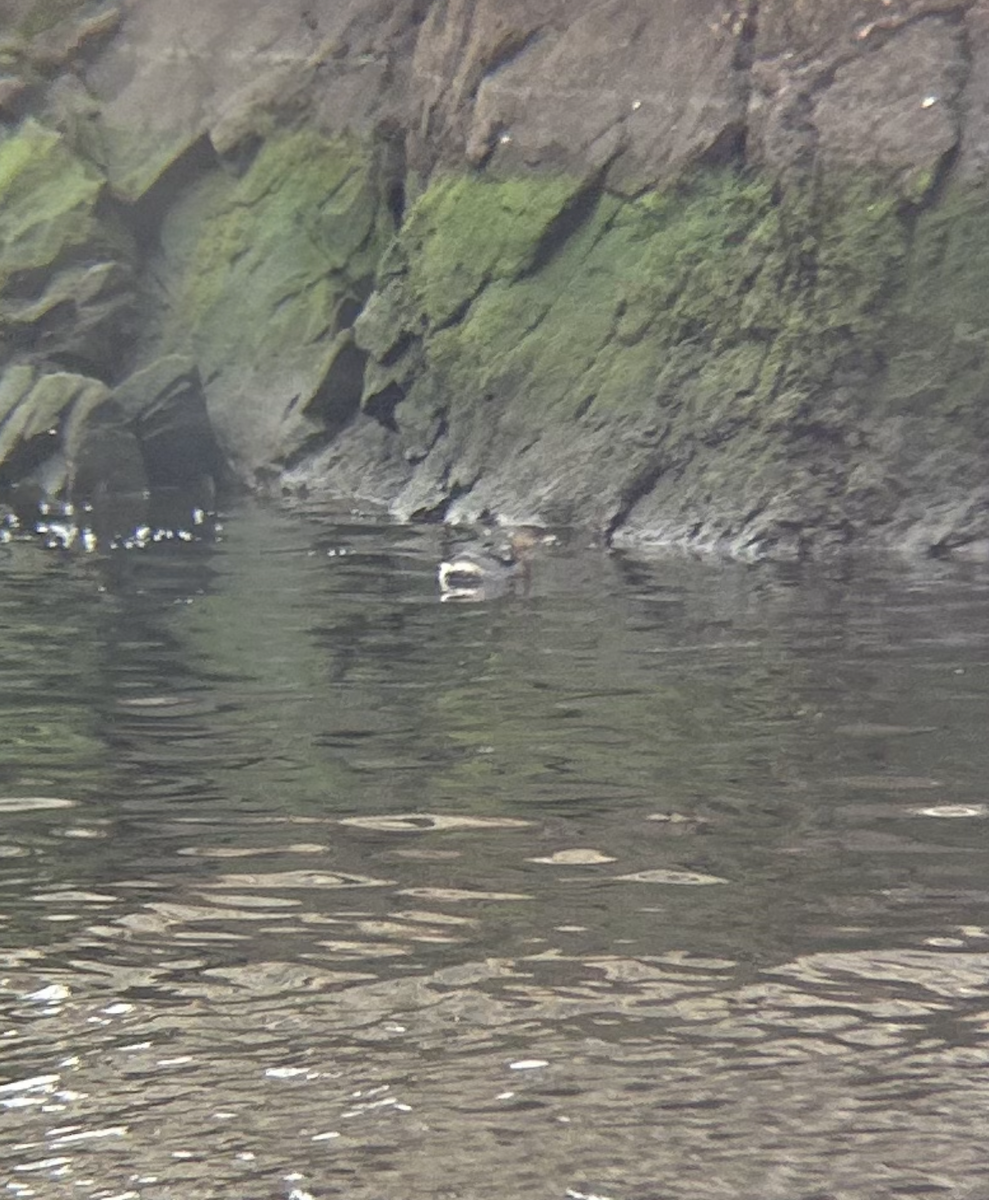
(263, 275)
(929, 416)
(65, 268)
(47, 196)
(699, 343)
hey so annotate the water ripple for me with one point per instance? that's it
(665, 879)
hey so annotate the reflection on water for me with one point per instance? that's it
(664, 879)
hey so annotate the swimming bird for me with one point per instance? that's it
(478, 572)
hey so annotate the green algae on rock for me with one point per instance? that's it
(927, 427)
(627, 338)
(263, 275)
(65, 267)
(47, 196)
(467, 231)
(736, 289)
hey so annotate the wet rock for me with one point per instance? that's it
(364, 462)
(34, 410)
(103, 455)
(164, 408)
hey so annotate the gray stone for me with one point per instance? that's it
(973, 159)
(164, 407)
(181, 70)
(103, 456)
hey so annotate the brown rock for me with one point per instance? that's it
(852, 85)
(897, 107)
(640, 88)
(182, 69)
(801, 31)
(973, 158)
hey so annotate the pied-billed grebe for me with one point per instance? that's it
(478, 572)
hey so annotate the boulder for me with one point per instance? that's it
(70, 437)
(164, 407)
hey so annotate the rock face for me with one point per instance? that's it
(66, 278)
(258, 280)
(688, 271)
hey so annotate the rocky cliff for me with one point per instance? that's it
(686, 271)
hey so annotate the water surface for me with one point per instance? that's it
(666, 879)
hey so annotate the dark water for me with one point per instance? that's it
(667, 880)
